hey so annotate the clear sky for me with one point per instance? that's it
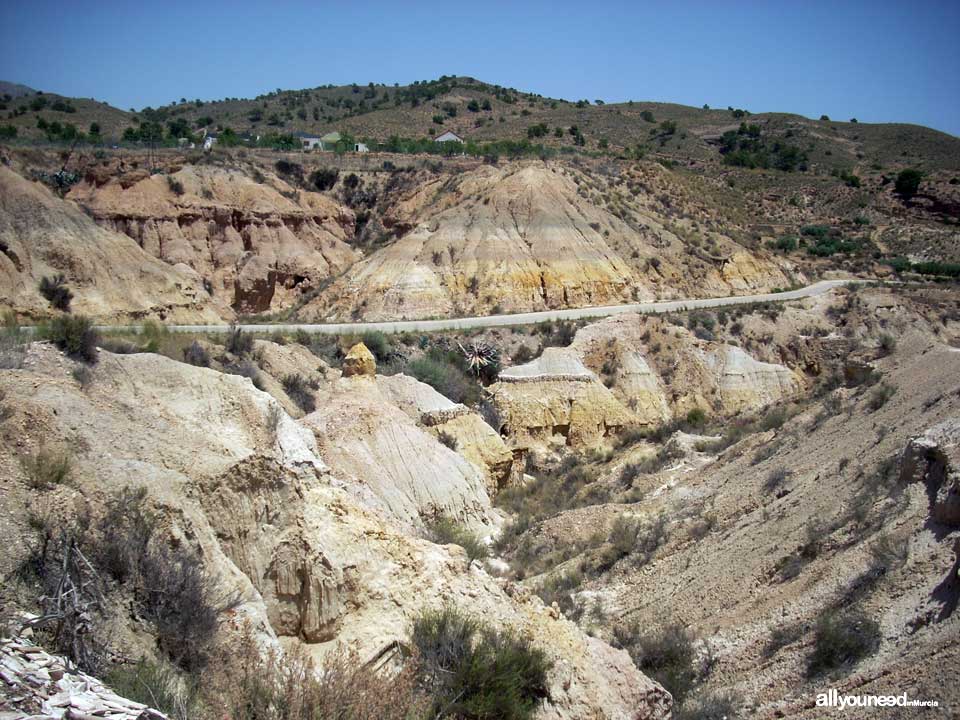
(876, 60)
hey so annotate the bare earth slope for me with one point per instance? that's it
(526, 237)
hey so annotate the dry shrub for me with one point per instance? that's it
(46, 467)
(268, 686)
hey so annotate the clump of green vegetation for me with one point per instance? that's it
(196, 354)
(746, 147)
(475, 672)
(667, 654)
(444, 371)
(908, 182)
(841, 640)
(378, 344)
(880, 395)
(55, 291)
(75, 335)
(445, 531)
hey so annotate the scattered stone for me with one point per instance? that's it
(40, 686)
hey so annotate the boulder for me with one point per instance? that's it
(359, 361)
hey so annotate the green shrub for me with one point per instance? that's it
(177, 597)
(378, 344)
(841, 640)
(176, 187)
(908, 182)
(55, 291)
(475, 672)
(623, 535)
(443, 373)
(75, 335)
(447, 532)
(888, 344)
(46, 467)
(324, 178)
(697, 418)
(157, 685)
(558, 588)
(666, 654)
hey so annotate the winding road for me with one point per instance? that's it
(528, 318)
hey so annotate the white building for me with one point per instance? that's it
(360, 147)
(449, 136)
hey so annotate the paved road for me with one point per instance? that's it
(529, 318)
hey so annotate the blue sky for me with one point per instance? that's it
(877, 61)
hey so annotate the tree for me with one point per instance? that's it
(908, 182)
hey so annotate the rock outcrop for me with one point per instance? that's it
(260, 246)
(390, 462)
(111, 277)
(933, 458)
(455, 424)
(661, 370)
(556, 399)
(37, 685)
(359, 361)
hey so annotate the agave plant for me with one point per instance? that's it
(481, 357)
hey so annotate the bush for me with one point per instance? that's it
(880, 395)
(239, 343)
(623, 535)
(475, 672)
(447, 532)
(298, 389)
(247, 370)
(176, 596)
(156, 685)
(841, 640)
(125, 529)
(46, 468)
(271, 686)
(441, 372)
(666, 654)
(176, 187)
(447, 440)
(776, 478)
(196, 354)
(378, 344)
(908, 182)
(697, 418)
(56, 292)
(888, 344)
(75, 335)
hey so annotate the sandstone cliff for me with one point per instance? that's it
(556, 399)
(260, 246)
(111, 277)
